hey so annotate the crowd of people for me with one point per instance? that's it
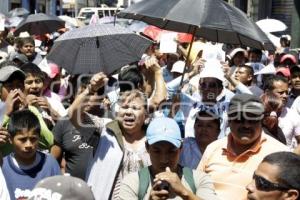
(221, 123)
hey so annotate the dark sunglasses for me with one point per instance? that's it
(210, 85)
(265, 185)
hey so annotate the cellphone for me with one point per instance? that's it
(164, 186)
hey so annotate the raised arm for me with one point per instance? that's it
(76, 110)
(160, 91)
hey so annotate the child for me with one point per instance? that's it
(26, 166)
(33, 89)
(11, 93)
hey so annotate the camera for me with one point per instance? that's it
(164, 185)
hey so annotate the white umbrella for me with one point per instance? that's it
(274, 39)
(271, 25)
(70, 21)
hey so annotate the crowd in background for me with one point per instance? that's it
(211, 131)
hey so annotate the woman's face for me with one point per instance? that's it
(206, 130)
(132, 115)
(239, 59)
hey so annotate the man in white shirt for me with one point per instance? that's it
(289, 120)
(212, 96)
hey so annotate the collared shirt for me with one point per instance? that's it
(167, 75)
(292, 97)
(230, 172)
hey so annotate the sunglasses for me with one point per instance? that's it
(265, 185)
(210, 85)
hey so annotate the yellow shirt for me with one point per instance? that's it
(232, 173)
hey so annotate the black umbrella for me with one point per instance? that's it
(97, 47)
(39, 24)
(214, 20)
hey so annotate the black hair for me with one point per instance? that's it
(269, 84)
(23, 119)
(289, 165)
(256, 51)
(21, 41)
(209, 115)
(249, 69)
(85, 81)
(32, 69)
(130, 78)
(295, 70)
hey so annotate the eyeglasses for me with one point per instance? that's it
(265, 185)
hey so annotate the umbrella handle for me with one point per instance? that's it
(186, 60)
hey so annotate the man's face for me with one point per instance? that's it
(295, 80)
(253, 57)
(245, 128)
(242, 75)
(281, 90)
(33, 85)
(210, 89)
(27, 49)
(163, 154)
(25, 144)
(266, 173)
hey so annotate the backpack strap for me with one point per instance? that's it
(188, 175)
(144, 180)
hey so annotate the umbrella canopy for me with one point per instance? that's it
(214, 20)
(70, 21)
(98, 47)
(18, 12)
(39, 24)
(271, 25)
(14, 21)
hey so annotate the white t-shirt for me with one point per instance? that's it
(55, 102)
(296, 105)
(4, 195)
(289, 122)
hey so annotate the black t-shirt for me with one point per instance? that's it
(77, 152)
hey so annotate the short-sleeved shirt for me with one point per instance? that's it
(296, 105)
(21, 181)
(289, 122)
(190, 155)
(76, 150)
(231, 173)
(204, 187)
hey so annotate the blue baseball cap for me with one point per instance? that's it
(164, 129)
